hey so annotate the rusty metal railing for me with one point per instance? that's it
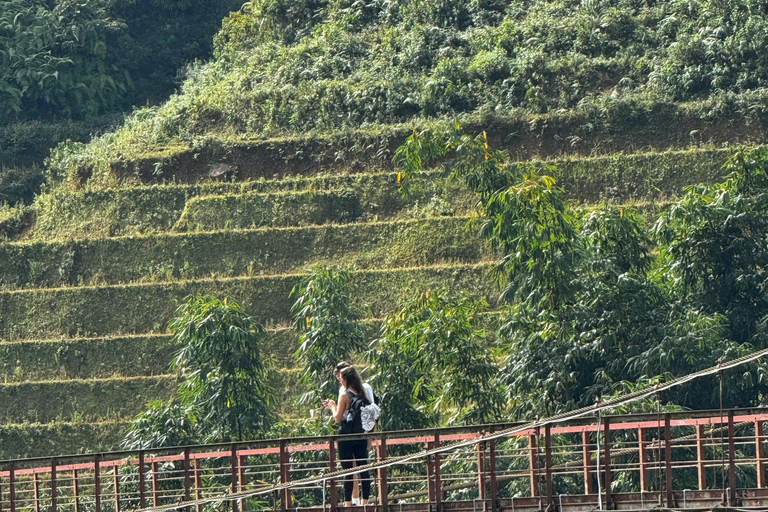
(677, 460)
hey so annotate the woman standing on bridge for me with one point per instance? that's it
(355, 452)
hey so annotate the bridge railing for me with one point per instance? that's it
(697, 458)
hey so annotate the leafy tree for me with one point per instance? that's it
(432, 363)
(162, 425)
(54, 58)
(716, 241)
(329, 325)
(224, 376)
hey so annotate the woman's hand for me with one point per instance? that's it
(329, 404)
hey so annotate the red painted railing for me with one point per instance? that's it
(678, 460)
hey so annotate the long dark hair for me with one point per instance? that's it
(352, 379)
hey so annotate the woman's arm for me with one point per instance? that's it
(340, 409)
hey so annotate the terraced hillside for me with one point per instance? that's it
(90, 284)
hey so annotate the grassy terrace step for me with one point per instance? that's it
(127, 356)
(142, 308)
(158, 208)
(237, 252)
(21, 440)
(94, 399)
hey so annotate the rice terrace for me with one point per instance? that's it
(383, 255)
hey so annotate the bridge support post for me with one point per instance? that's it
(36, 488)
(433, 475)
(116, 486)
(533, 463)
(97, 482)
(155, 484)
(586, 455)
(187, 480)
(12, 486)
(607, 467)
(759, 454)
(54, 488)
(492, 475)
(142, 483)
(670, 495)
(548, 462)
(241, 480)
(332, 483)
(731, 459)
(233, 473)
(198, 478)
(701, 456)
(481, 494)
(75, 490)
(383, 487)
(643, 459)
(285, 476)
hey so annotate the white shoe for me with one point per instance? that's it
(357, 501)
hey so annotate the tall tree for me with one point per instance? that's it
(329, 325)
(224, 376)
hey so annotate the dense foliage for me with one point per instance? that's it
(590, 307)
(329, 325)
(78, 59)
(288, 66)
(432, 364)
(224, 390)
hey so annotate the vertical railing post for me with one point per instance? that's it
(480, 448)
(198, 484)
(187, 481)
(1, 496)
(285, 476)
(607, 466)
(759, 454)
(12, 486)
(155, 486)
(142, 483)
(492, 475)
(233, 473)
(533, 464)
(36, 487)
(54, 487)
(383, 487)
(332, 468)
(670, 496)
(430, 478)
(97, 482)
(643, 457)
(116, 486)
(438, 486)
(548, 461)
(731, 458)
(701, 456)
(586, 455)
(75, 491)
(241, 478)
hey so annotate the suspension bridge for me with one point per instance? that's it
(574, 462)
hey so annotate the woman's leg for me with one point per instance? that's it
(347, 456)
(361, 459)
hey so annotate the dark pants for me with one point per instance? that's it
(355, 453)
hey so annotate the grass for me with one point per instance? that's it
(141, 308)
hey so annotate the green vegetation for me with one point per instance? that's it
(104, 310)
(330, 327)
(327, 135)
(278, 70)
